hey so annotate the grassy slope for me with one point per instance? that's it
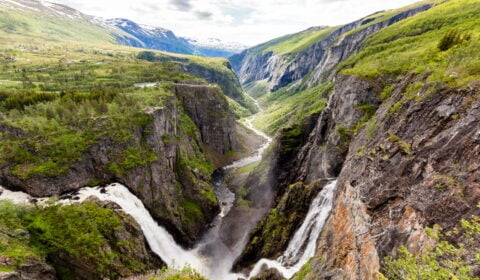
(33, 27)
(284, 107)
(294, 43)
(409, 46)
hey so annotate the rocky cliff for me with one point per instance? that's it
(203, 104)
(403, 146)
(318, 60)
(164, 163)
(120, 251)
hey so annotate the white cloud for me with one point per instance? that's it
(246, 21)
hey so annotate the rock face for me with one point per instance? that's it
(416, 172)
(208, 109)
(318, 60)
(32, 270)
(271, 237)
(402, 163)
(227, 81)
(175, 178)
(403, 171)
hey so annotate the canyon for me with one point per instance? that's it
(337, 158)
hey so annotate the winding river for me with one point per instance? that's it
(211, 256)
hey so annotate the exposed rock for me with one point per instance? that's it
(270, 274)
(319, 60)
(208, 108)
(421, 168)
(163, 184)
(227, 81)
(271, 237)
(31, 270)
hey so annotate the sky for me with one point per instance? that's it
(249, 22)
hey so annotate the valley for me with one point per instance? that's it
(339, 152)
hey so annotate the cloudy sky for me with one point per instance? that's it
(246, 21)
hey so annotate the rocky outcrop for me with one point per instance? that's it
(420, 168)
(208, 108)
(400, 169)
(127, 241)
(225, 78)
(168, 169)
(272, 235)
(319, 60)
(325, 151)
(31, 270)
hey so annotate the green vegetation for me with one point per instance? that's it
(286, 106)
(33, 27)
(294, 43)
(445, 260)
(57, 102)
(306, 269)
(412, 46)
(186, 273)
(82, 232)
(452, 38)
(70, 109)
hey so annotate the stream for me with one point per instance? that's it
(211, 256)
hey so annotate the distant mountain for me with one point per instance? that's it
(215, 47)
(165, 40)
(33, 18)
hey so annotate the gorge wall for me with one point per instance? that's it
(173, 177)
(403, 163)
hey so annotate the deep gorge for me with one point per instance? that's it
(370, 169)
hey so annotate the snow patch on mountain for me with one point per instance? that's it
(214, 43)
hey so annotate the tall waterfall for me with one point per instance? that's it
(302, 246)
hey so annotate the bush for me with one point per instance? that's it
(452, 38)
(444, 261)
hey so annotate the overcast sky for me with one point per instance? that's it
(246, 21)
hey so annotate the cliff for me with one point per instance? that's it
(402, 141)
(318, 60)
(163, 162)
(57, 243)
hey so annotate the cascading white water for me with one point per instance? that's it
(302, 246)
(211, 257)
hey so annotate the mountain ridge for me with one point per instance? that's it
(129, 33)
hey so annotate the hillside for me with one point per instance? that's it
(388, 105)
(50, 22)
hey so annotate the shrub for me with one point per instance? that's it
(452, 38)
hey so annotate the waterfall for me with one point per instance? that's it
(300, 249)
(211, 257)
(302, 246)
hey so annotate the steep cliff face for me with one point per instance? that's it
(403, 144)
(404, 176)
(119, 248)
(318, 60)
(164, 164)
(204, 104)
(225, 78)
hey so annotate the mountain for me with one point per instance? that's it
(32, 21)
(165, 40)
(389, 106)
(35, 17)
(215, 47)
